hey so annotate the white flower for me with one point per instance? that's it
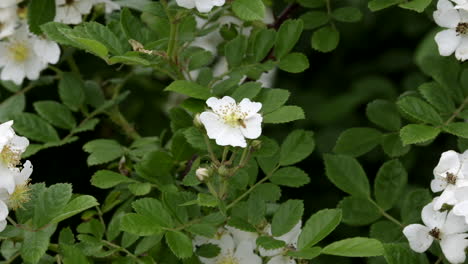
(8, 21)
(235, 247)
(230, 123)
(71, 11)
(451, 172)
(109, 5)
(454, 38)
(290, 238)
(9, 3)
(203, 6)
(11, 145)
(26, 55)
(202, 173)
(445, 227)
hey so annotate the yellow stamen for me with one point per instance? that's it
(20, 196)
(19, 51)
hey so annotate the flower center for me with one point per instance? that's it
(462, 28)
(228, 259)
(10, 157)
(451, 179)
(20, 196)
(435, 233)
(232, 115)
(19, 51)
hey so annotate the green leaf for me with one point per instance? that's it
(106, 179)
(419, 110)
(312, 3)
(269, 243)
(139, 225)
(325, 39)
(93, 46)
(133, 27)
(249, 10)
(54, 31)
(376, 5)
(208, 251)
(290, 176)
(156, 167)
(247, 90)
(413, 203)
(72, 255)
(459, 129)
(357, 141)
(56, 113)
(306, 253)
(272, 99)
(50, 203)
(314, 19)
(384, 114)
(105, 36)
(386, 231)
(40, 12)
(415, 133)
(287, 37)
(358, 211)
(434, 93)
(389, 183)
(139, 188)
(235, 49)
(190, 89)
(294, 63)
(393, 146)
(400, 253)
(284, 114)
(206, 230)
(355, 247)
(319, 225)
(154, 210)
(286, 217)
(102, 151)
(347, 14)
(263, 43)
(179, 243)
(71, 91)
(297, 146)
(34, 127)
(12, 105)
(347, 174)
(35, 244)
(75, 206)
(416, 5)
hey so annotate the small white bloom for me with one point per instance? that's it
(447, 228)
(234, 249)
(455, 37)
(203, 6)
(25, 55)
(11, 145)
(230, 123)
(71, 11)
(8, 21)
(450, 173)
(202, 173)
(290, 238)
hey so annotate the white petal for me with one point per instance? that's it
(453, 247)
(226, 244)
(444, 5)
(448, 18)
(213, 124)
(22, 177)
(7, 3)
(461, 209)
(418, 237)
(446, 197)
(231, 136)
(454, 224)
(281, 260)
(249, 107)
(447, 41)
(218, 104)
(463, 13)
(432, 218)
(33, 68)
(240, 235)
(253, 126)
(244, 254)
(84, 6)
(267, 79)
(14, 73)
(461, 194)
(3, 224)
(19, 144)
(204, 6)
(438, 184)
(291, 237)
(449, 162)
(6, 133)
(7, 180)
(48, 51)
(461, 53)
(186, 3)
(217, 2)
(3, 210)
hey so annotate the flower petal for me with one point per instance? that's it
(447, 41)
(446, 197)
(253, 126)
(438, 184)
(292, 236)
(218, 104)
(446, 17)
(454, 224)
(281, 260)
(432, 218)
(449, 162)
(3, 210)
(249, 107)
(22, 177)
(453, 247)
(461, 53)
(7, 180)
(240, 235)
(186, 3)
(3, 224)
(231, 136)
(244, 253)
(418, 237)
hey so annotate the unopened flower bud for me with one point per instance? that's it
(256, 144)
(202, 173)
(197, 122)
(224, 171)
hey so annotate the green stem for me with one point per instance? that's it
(457, 112)
(210, 150)
(72, 64)
(225, 153)
(10, 260)
(385, 214)
(118, 118)
(173, 35)
(110, 244)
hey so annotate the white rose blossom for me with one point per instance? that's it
(236, 247)
(230, 123)
(72, 11)
(450, 173)
(445, 227)
(455, 37)
(290, 238)
(25, 55)
(203, 6)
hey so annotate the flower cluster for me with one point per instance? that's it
(239, 247)
(230, 123)
(446, 217)
(454, 38)
(14, 177)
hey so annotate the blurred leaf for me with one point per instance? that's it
(436, 96)
(34, 127)
(40, 12)
(347, 174)
(419, 110)
(416, 5)
(105, 179)
(290, 176)
(358, 211)
(376, 5)
(284, 114)
(384, 114)
(249, 10)
(389, 184)
(272, 99)
(325, 39)
(71, 91)
(102, 151)
(179, 243)
(355, 247)
(415, 133)
(294, 63)
(357, 141)
(263, 42)
(314, 19)
(297, 146)
(235, 49)
(190, 89)
(269, 243)
(459, 129)
(347, 14)
(35, 244)
(287, 37)
(400, 253)
(56, 113)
